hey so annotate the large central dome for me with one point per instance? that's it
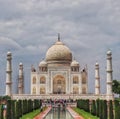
(59, 53)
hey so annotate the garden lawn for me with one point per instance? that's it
(31, 115)
(84, 114)
(117, 99)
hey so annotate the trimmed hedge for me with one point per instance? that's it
(117, 109)
(83, 104)
(99, 108)
(111, 116)
(104, 109)
(8, 115)
(15, 109)
(1, 111)
(93, 108)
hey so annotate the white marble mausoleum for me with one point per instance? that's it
(59, 73)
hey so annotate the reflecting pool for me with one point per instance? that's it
(58, 113)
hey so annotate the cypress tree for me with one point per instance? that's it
(8, 115)
(13, 109)
(78, 103)
(23, 107)
(17, 110)
(97, 107)
(20, 107)
(100, 108)
(26, 106)
(111, 116)
(29, 105)
(82, 104)
(117, 109)
(85, 105)
(37, 104)
(0, 109)
(104, 109)
(32, 105)
(1, 113)
(93, 108)
(40, 104)
(88, 105)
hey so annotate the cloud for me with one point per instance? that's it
(88, 28)
(7, 44)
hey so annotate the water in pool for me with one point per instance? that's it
(58, 113)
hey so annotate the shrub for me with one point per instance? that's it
(104, 109)
(13, 109)
(117, 109)
(93, 108)
(17, 110)
(111, 116)
(8, 115)
(97, 107)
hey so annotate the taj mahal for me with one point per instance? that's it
(59, 75)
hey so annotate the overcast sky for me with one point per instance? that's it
(88, 27)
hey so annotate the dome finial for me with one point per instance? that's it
(58, 36)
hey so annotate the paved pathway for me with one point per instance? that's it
(43, 114)
(74, 114)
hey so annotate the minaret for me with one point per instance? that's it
(97, 79)
(9, 74)
(109, 74)
(20, 80)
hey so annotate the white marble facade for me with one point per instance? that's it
(59, 73)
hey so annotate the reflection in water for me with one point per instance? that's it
(58, 113)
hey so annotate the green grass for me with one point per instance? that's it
(117, 99)
(84, 114)
(31, 115)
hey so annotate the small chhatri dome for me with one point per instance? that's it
(42, 64)
(9, 53)
(96, 63)
(74, 63)
(109, 52)
(20, 64)
(58, 52)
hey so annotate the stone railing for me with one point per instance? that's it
(63, 96)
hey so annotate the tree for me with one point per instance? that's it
(116, 87)
(8, 115)
(13, 109)
(117, 109)
(17, 110)
(93, 108)
(111, 115)
(104, 110)
(97, 107)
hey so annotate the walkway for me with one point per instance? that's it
(43, 114)
(74, 114)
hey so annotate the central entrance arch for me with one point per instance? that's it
(59, 85)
